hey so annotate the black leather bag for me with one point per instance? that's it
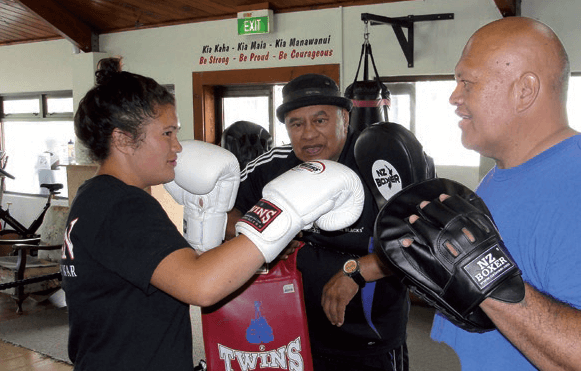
(371, 98)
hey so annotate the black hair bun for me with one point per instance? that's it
(107, 69)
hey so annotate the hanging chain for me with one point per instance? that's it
(366, 33)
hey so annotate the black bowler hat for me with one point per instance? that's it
(310, 90)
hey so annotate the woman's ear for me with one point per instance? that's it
(526, 91)
(122, 141)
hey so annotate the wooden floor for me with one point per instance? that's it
(14, 358)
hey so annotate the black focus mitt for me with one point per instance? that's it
(456, 257)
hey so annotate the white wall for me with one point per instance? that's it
(170, 54)
(563, 17)
(37, 66)
(438, 44)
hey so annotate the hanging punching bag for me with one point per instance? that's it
(246, 140)
(371, 98)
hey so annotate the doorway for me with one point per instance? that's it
(208, 86)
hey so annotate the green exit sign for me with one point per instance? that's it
(254, 25)
(255, 22)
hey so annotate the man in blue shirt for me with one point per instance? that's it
(511, 94)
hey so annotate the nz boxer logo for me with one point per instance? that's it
(261, 215)
(489, 267)
(386, 178)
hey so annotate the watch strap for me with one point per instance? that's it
(354, 274)
(358, 278)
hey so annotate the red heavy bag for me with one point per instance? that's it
(262, 326)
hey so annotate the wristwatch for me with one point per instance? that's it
(351, 269)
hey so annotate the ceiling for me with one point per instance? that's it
(82, 21)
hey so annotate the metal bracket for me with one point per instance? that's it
(94, 42)
(407, 44)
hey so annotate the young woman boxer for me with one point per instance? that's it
(128, 273)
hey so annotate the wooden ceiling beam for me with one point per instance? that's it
(63, 22)
(508, 8)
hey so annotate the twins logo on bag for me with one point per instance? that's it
(287, 357)
(386, 177)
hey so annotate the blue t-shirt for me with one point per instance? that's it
(536, 208)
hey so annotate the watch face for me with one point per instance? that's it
(350, 266)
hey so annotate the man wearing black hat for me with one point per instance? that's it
(355, 323)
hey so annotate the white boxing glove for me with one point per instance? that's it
(322, 192)
(206, 183)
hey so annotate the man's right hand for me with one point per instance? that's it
(290, 248)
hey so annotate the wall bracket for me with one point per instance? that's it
(398, 23)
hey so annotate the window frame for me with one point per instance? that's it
(43, 113)
(405, 88)
(395, 85)
(43, 116)
(236, 91)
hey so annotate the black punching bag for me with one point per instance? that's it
(370, 103)
(371, 99)
(246, 140)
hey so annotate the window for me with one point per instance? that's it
(37, 138)
(256, 104)
(280, 133)
(573, 99)
(423, 107)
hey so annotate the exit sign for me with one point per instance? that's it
(255, 22)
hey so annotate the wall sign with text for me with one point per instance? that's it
(257, 51)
